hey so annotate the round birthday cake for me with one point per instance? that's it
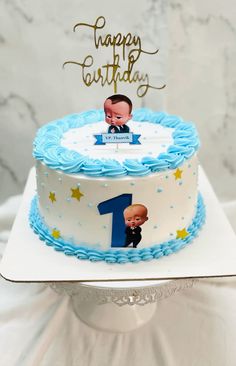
(117, 185)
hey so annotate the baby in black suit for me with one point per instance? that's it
(118, 110)
(135, 216)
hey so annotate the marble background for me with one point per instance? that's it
(196, 60)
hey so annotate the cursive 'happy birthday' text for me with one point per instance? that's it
(112, 72)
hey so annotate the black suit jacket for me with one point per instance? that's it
(119, 129)
(133, 234)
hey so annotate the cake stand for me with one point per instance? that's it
(119, 306)
(120, 297)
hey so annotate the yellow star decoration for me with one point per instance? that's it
(52, 197)
(56, 234)
(178, 173)
(181, 234)
(76, 193)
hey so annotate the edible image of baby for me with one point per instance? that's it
(135, 215)
(118, 110)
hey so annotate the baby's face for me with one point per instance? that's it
(135, 216)
(116, 114)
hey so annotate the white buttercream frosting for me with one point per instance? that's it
(154, 139)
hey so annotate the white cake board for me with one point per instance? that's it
(213, 253)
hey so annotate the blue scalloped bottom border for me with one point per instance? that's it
(120, 255)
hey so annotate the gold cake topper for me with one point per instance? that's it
(111, 73)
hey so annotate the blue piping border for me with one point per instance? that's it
(47, 147)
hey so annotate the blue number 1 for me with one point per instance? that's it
(116, 206)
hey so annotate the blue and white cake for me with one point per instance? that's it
(117, 202)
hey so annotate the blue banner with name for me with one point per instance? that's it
(117, 138)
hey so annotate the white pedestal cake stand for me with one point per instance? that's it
(119, 306)
(120, 297)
